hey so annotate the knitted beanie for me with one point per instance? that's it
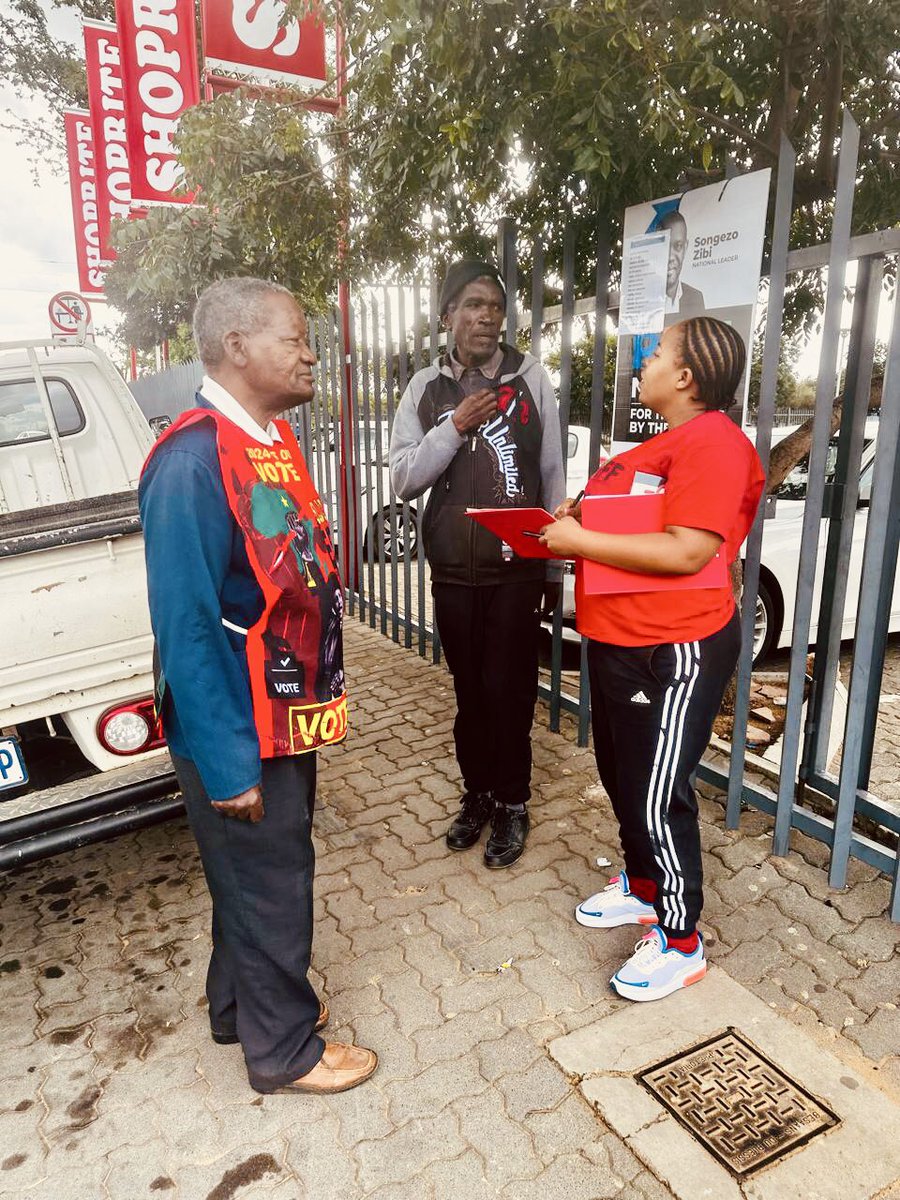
(462, 273)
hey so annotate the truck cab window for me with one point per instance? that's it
(22, 416)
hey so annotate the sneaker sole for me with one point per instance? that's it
(592, 922)
(642, 995)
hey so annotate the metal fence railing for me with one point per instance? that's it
(366, 362)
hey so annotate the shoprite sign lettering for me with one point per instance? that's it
(107, 104)
(83, 189)
(157, 43)
(247, 37)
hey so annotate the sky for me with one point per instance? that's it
(37, 247)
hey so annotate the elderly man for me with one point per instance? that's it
(480, 427)
(246, 607)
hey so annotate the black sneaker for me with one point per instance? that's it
(509, 829)
(474, 813)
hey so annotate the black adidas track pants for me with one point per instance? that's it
(652, 710)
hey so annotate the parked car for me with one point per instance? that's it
(780, 559)
(75, 640)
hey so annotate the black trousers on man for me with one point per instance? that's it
(652, 710)
(490, 638)
(260, 878)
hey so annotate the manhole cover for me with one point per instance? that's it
(737, 1103)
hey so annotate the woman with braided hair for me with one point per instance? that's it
(659, 662)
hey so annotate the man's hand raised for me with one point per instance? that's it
(248, 806)
(474, 410)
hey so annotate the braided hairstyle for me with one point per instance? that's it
(716, 356)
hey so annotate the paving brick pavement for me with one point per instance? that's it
(459, 977)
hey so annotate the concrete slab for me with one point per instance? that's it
(860, 1158)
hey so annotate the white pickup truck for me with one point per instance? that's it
(80, 757)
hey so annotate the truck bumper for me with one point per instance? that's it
(42, 824)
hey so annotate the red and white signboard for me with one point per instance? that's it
(83, 187)
(246, 36)
(158, 49)
(107, 103)
(69, 313)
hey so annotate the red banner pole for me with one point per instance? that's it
(349, 493)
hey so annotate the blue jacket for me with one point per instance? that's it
(197, 573)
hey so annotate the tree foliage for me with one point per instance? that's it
(267, 209)
(35, 64)
(550, 111)
(608, 102)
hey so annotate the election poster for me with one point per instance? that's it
(694, 254)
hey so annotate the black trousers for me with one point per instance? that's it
(490, 637)
(260, 878)
(652, 710)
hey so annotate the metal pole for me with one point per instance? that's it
(506, 253)
(52, 431)
(842, 509)
(879, 560)
(781, 233)
(565, 399)
(812, 513)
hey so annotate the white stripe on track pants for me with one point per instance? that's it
(652, 711)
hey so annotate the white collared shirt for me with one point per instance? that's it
(226, 404)
(673, 303)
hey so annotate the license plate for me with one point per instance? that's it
(13, 772)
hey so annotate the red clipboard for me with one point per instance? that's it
(520, 528)
(638, 514)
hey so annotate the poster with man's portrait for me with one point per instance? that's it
(689, 255)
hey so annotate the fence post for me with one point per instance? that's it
(506, 255)
(781, 233)
(565, 400)
(812, 513)
(598, 380)
(876, 586)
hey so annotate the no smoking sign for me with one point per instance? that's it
(68, 312)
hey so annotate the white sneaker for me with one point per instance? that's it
(656, 970)
(615, 905)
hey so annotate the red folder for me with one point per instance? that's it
(520, 528)
(638, 514)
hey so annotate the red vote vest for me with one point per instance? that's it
(295, 649)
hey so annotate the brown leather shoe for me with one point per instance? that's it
(340, 1068)
(324, 1015)
(231, 1039)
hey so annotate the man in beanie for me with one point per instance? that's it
(480, 427)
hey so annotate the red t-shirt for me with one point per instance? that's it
(712, 479)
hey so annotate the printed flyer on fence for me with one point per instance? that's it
(689, 255)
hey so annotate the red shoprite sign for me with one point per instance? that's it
(107, 104)
(159, 65)
(83, 185)
(245, 36)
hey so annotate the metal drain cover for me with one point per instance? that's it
(738, 1104)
